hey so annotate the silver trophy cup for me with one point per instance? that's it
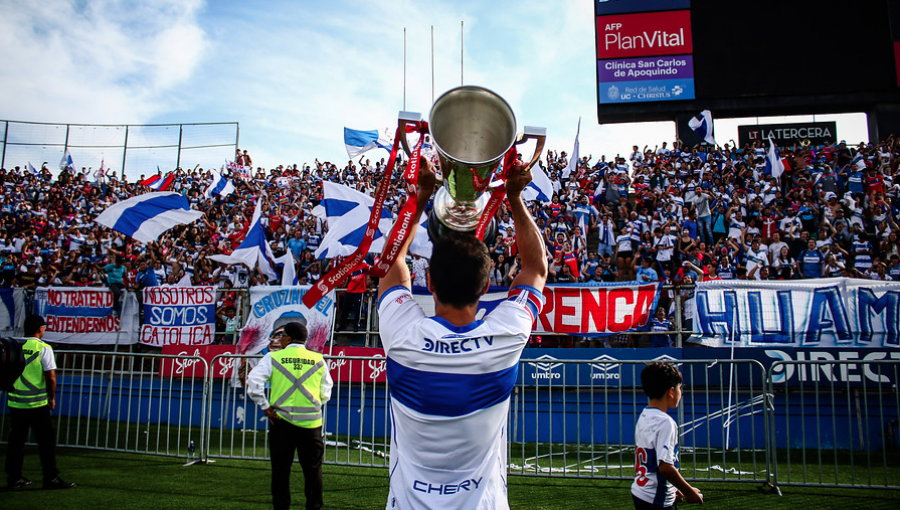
(471, 128)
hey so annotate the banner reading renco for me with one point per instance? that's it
(179, 316)
(577, 309)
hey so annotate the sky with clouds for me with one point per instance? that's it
(293, 74)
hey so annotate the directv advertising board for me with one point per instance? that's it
(644, 56)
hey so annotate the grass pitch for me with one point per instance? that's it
(138, 482)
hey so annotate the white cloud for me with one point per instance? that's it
(111, 61)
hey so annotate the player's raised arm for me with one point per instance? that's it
(398, 274)
(528, 237)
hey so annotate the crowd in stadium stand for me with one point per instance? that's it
(673, 213)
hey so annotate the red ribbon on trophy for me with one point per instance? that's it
(398, 235)
(497, 195)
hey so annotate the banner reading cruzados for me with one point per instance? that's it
(831, 312)
(583, 309)
(85, 316)
(179, 316)
(273, 307)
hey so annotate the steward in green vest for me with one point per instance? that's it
(300, 385)
(30, 402)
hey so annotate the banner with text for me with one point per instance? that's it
(357, 370)
(273, 307)
(85, 316)
(177, 367)
(830, 312)
(786, 135)
(179, 316)
(644, 56)
(577, 309)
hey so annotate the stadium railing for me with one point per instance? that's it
(837, 423)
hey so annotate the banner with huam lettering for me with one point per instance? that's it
(85, 315)
(582, 309)
(828, 312)
(179, 316)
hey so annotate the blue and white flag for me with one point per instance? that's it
(358, 142)
(574, 160)
(859, 161)
(32, 170)
(540, 187)
(346, 212)
(220, 186)
(66, 161)
(774, 165)
(254, 249)
(145, 217)
(289, 274)
(703, 126)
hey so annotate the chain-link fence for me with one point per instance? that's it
(129, 150)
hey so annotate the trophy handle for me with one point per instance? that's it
(538, 134)
(404, 118)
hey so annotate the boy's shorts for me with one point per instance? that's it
(640, 504)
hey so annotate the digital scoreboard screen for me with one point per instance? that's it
(659, 58)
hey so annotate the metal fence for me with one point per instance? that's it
(815, 423)
(130, 150)
(837, 423)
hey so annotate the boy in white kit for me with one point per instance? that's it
(451, 375)
(657, 482)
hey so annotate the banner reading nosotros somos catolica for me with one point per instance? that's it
(826, 312)
(273, 307)
(578, 309)
(85, 316)
(179, 316)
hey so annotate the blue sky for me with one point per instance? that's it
(295, 73)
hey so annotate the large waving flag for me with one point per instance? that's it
(774, 165)
(573, 161)
(347, 213)
(159, 182)
(289, 274)
(66, 161)
(358, 142)
(254, 249)
(32, 170)
(145, 217)
(703, 126)
(220, 186)
(540, 187)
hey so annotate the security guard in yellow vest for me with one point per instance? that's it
(30, 402)
(301, 384)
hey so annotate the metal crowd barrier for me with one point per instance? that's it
(838, 423)
(578, 419)
(831, 423)
(127, 402)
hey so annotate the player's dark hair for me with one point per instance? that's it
(658, 377)
(296, 331)
(459, 268)
(33, 324)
